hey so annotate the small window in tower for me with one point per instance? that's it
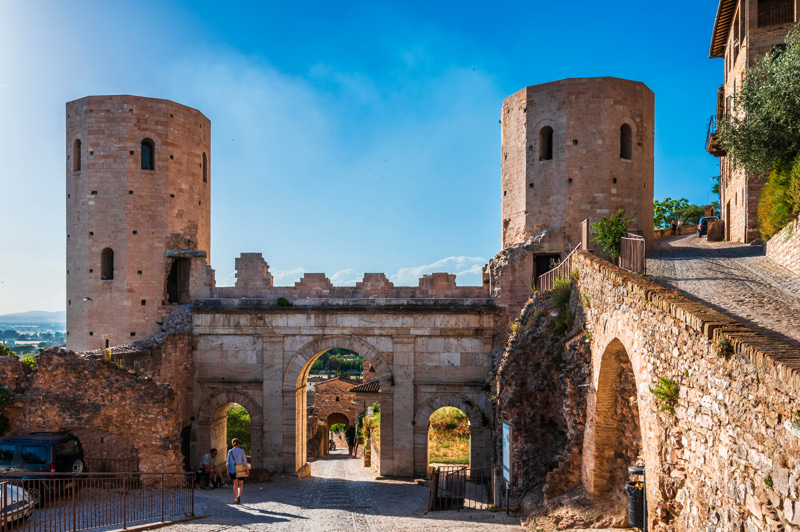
(133, 334)
(91, 333)
(144, 302)
(148, 155)
(205, 168)
(76, 155)
(107, 264)
(108, 342)
(546, 143)
(625, 141)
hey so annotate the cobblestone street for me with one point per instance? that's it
(734, 278)
(340, 495)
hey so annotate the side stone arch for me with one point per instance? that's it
(479, 434)
(209, 425)
(298, 367)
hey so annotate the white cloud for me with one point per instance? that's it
(348, 277)
(287, 277)
(467, 270)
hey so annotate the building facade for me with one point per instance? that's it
(138, 210)
(575, 149)
(744, 30)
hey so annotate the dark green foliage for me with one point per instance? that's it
(239, 427)
(334, 359)
(29, 361)
(376, 408)
(338, 427)
(6, 351)
(780, 198)
(350, 436)
(562, 288)
(5, 399)
(609, 232)
(564, 321)
(763, 130)
(283, 302)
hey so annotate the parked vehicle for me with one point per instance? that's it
(702, 225)
(31, 457)
(15, 504)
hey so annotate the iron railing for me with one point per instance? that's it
(458, 487)
(71, 502)
(546, 280)
(632, 253)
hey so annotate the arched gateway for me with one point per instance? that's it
(258, 354)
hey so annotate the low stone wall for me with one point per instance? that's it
(728, 458)
(784, 247)
(667, 231)
(121, 414)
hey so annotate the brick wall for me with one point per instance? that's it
(784, 246)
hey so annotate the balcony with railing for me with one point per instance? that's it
(713, 145)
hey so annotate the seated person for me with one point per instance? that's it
(209, 470)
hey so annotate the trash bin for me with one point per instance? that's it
(635, 492)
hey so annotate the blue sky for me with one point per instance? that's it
(347, 137)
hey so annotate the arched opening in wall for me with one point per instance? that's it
(148, 155)
(76, 155)
(617, 434)
(324, 398)
(178, 281)
(448, 438)
(107, 264)
(205, 168)
(336, 429)
(228, 421)
(625, 142)
(238, 427)
(546, 143)
(106, 452)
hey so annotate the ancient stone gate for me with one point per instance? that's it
(426, 352)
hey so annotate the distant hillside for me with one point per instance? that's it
(35, 317)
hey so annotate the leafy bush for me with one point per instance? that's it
(283, 302)
(350, 436)
(29, 361)
(609, 232)
(779, 202)
(338, 427)
(723, 346)
(564, 321)
(6, 351)
(666, 394)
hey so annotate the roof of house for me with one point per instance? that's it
(722, 25)
(373, 386)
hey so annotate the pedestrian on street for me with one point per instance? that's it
(674, 226)
(237, 469)
(680, 225)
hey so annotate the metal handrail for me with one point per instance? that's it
(547, 279)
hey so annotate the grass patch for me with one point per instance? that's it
(448, 437)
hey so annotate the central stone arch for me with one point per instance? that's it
(478, 433)
(294, 388)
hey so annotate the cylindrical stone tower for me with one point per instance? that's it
(576, 149)
(138, 186)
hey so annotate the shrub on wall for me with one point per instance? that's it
(780, 198)
(609, 232)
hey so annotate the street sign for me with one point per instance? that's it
(507, 452)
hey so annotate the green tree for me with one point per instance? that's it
(239, 427)
(609, 232)
(664, 211)
(690, 214)
(763, 130)
(6, 351)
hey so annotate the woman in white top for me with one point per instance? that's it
(237, 457)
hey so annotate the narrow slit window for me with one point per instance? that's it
(148, 155)
(76, 155)
(107, 264)
(625, 142)
(546, 143)
(205, 168)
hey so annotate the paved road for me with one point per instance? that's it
(734, 278)
(341, 495)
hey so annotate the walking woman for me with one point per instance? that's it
(237, 469)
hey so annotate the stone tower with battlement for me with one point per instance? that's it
(138, 215)
(575, 149)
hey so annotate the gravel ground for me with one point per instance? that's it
(341, 495)
(736, 279)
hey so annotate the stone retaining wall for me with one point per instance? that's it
(784, 247)
(729, 456)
